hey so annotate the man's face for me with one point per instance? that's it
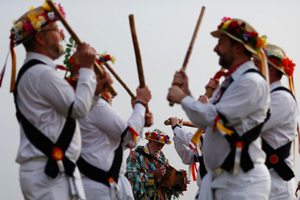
(155, 148)
(224, 49)
(52, 40)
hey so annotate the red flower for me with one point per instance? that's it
(253, 35)
(71, 60)
(233, 25)
(107, 57)
(288, 66)
(258, 43)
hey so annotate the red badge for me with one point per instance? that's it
(274, 159)
(57, 154)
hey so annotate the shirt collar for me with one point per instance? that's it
(274, 85)
(48, 61)
(242, 69)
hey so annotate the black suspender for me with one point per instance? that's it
(275, 157)
(228, 82)
(43, 143)
(100, 175)
(234, 138)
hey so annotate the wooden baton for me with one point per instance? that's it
(98, 70)
(138, 56)
(120, 80)
(185, 123)
(189, 51)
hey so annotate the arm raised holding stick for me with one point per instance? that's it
(189, 52)
(137, 54)
(98, 70)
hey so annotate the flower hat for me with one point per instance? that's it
(158, 136)
(25, 28)
(242, 32)
(32, 22)
(278, 59)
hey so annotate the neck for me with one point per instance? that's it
(239, 60)
(273, 79)
(43, 52)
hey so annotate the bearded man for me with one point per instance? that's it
(47, 109)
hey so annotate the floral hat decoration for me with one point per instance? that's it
(242, 32)
(25, 27)
(278, 59)
(32, 22)
(73, 66)
(158, 136)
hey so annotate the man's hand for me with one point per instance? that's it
(148, 119)
(203, 99)
(86, 55)
(174, 121)
(175, 94)
(143, 94)
(212, 84)
(159, 173)
(101, 83)
(181, 80)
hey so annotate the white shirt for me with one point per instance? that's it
(244, 104)
(281, 127)
(181, 143)
(44, 99)
(101, 131)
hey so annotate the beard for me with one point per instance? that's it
(226, 60)
(55, 49)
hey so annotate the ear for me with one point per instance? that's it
(39, 39)
(239, 47)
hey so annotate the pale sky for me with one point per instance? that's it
(164, 29)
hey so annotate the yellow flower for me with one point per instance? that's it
(46, 6)
(226, 24)
(263, 41)
(162, 140)
(113, 60)
(36, 25)
(35, 20)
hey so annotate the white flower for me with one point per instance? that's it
(278, 53)
(43, 21)
(51, 16)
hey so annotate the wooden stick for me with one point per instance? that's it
(185, 123)
(97, 68)
(120, 80)
(189, 51)
(138, 56)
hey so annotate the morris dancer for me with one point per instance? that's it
(146, 167)
(280, 130)
(47, 109)
(105, 135)
(233, 119)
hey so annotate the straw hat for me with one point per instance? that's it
(242, 32)
(32, 22)
(158, 136)
(278, 59)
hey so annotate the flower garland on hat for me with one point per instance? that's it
(278, 59)
(158, 136)
(239, 30)
(36, 19)
(24, 28)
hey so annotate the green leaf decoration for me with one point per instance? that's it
(71, 40)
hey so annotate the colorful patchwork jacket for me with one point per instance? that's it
(140, 167)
